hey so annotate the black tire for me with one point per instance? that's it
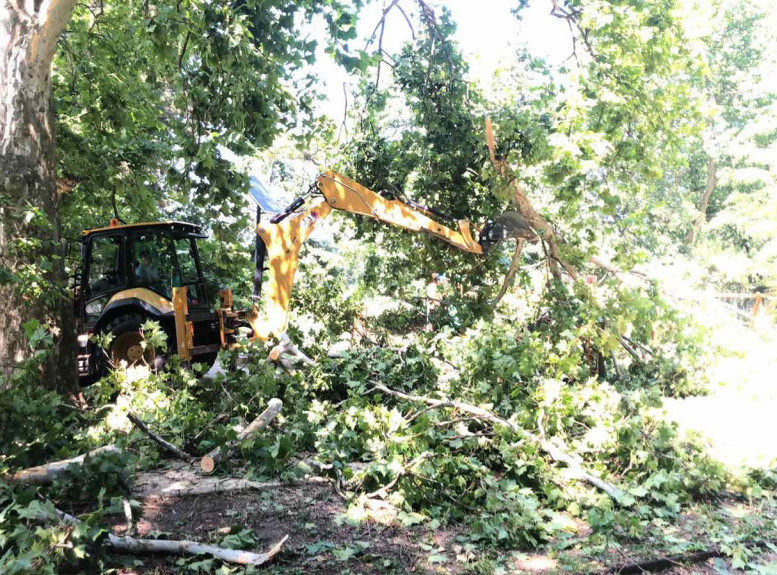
(127, 334)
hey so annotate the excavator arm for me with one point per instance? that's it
(284, 235)
(344, 194)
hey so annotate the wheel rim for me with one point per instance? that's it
(128, 347)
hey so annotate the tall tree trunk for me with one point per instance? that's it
(703, 203)
(29, 206)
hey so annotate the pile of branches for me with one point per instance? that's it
(64, 470)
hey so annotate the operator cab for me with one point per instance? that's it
(128, 275)
(153, 256)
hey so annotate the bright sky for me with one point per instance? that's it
(488, 34)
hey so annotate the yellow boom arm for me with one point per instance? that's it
(283, 240)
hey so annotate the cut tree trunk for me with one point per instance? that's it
(210, 460)
(704, 203)
(28, 193)
(47, 474)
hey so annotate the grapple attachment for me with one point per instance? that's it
(509, 225)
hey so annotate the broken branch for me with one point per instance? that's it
(628, 348)
(140, 424)
(514, 265)
(383, 491)
(606, 266)
(662, 564)
(555, 452)
(150, 546)
(128, 516)
(210, 460)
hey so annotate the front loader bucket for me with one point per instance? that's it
(509, 225)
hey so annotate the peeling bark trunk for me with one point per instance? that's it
(28, 38)
(704, 202)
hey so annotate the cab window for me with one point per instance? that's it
(105, 273)
(153, 263)
(184, 251)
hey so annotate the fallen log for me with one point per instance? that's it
(141, 425)
(575, 466)
(555, 452)
(150, 546)
(185, 482)
(48, 473)
(170, 547)
(211, 459)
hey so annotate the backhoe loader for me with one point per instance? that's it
(131, 273)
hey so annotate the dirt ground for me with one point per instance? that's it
(321, 539)
(325, 539)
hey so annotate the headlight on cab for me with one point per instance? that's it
(95, 307)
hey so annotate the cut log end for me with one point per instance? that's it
(275, 353)
(207, 464)
(210, 460)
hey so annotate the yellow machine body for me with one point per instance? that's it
(159, 302)
(284, 240)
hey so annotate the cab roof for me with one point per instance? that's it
(174, 225)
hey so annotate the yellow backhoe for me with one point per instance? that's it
(134, 272)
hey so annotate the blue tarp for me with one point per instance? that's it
(269, 200)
